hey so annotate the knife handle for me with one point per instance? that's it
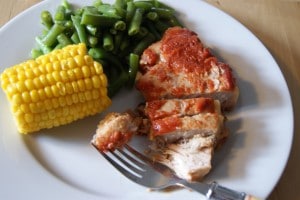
(218, 192)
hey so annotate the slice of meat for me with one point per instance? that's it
(190, 159)
(185, 133)
(174, 119)
(171, 129)
(179, 66)
(159, 109)
(115, 130)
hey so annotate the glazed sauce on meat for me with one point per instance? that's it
(165, 125)
(183, 50)
(164, 108)
(179, 66)
(115, 140)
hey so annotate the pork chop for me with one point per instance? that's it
(179, 66)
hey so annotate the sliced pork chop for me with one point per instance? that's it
(185, 133)
(173, 119)
(158, 109)
(179, 66)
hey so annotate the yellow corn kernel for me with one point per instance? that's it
(26, 97)
(57, 66)
(49, 67)
(71, 75)
(29, 84)
(96, 81)
(98, 68)
(75, 98)
(71, 63)
(34, 96)
(21, 76)
(103, 79)
(42, 94)
(64, 76)
(48, 91)
(96, 94)
(55, 89)
(79, 60)
(88, 83)
(81, 85)
(86, 71)
(43, 80)
(37, 83)
(78, 73)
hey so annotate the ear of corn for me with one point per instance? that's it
(55, 89)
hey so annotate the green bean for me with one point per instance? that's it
(120, 4)
(144, 5)
(153, 30)
(97, 3)
(163, 12)
(58, 46)
(43, 47)
(144, 43)
(136, 21)
(44, 33)
(36, 53)
(125, 43)
(108, 10)
(100, 53)
(66, 4)
(79, 29)
(92, 41)
(121, 12)
(173, 21)
(97, 19)
(117, 41)
(113, 31)
(142, 33)
(46, 19)
(75, 38)
(159, 4)
(60, 14)
(91, 29)
(108, 43)
(50, 38)
(129, 11)
(104, 63)
(133, 67)
(63, 39)
(161, 26)
(152, 16)
(120, 25)
(68, 24)
(115, 85)
(78, 11)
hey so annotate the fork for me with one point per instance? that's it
(156, 176)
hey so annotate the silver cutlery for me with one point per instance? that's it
(156, 176)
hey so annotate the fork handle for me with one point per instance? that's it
(217, 192)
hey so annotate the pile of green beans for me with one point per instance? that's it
(115, 34)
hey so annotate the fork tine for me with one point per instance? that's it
(165, 170)
(136, 161)
(129, 165)
(138, 154)
(121, 169)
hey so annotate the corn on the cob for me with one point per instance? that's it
(55, 89)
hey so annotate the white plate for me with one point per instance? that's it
(60, 163)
